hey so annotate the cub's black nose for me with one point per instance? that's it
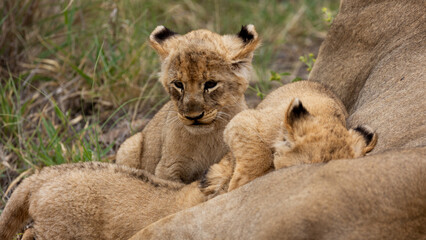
(196, 117)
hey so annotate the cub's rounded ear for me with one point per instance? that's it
(159, 39)
(365, 139)
(295, 113)
(250, 41)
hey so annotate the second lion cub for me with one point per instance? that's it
(298, 123)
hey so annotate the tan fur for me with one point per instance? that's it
(278, 135)
(373, 59)
(206, 75)
(373, 197)
(93, 201)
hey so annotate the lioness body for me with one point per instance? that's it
(206, 75)
(375, 197)
(93, 201)
(310, 133)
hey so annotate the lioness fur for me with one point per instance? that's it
(298, 123)
(92, 201)
(379, 196)
(206, 75)
(374, 59)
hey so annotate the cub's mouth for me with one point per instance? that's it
(197, 123)
(206, 120)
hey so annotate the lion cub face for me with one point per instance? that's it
(308, 139)
(205, 73)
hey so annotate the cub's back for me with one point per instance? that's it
(98, 201)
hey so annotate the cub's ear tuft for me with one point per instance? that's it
(366, 133)
(247, 33)
(369, 136)
(161, 33)
(295, 112)
(297, 109)
(248, 36)
(158, 39)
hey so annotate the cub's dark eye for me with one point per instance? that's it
(209, 84)
(178, 84)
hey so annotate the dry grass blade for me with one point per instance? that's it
(16, 181)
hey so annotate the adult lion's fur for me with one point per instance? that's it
(374, 197)
(206, 75)
(93, 201)
(374, 59)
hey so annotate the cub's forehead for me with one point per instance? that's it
(200, 43)
(198, 54)
(187, 59)
(199, 65)
(205, 57)
(201, 38)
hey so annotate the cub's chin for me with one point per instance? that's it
(200, 129)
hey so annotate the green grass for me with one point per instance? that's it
(72, 71)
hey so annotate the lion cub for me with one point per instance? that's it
(298, 123)
(92, 200)
(206, 75)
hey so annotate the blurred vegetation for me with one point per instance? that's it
(73, 72)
